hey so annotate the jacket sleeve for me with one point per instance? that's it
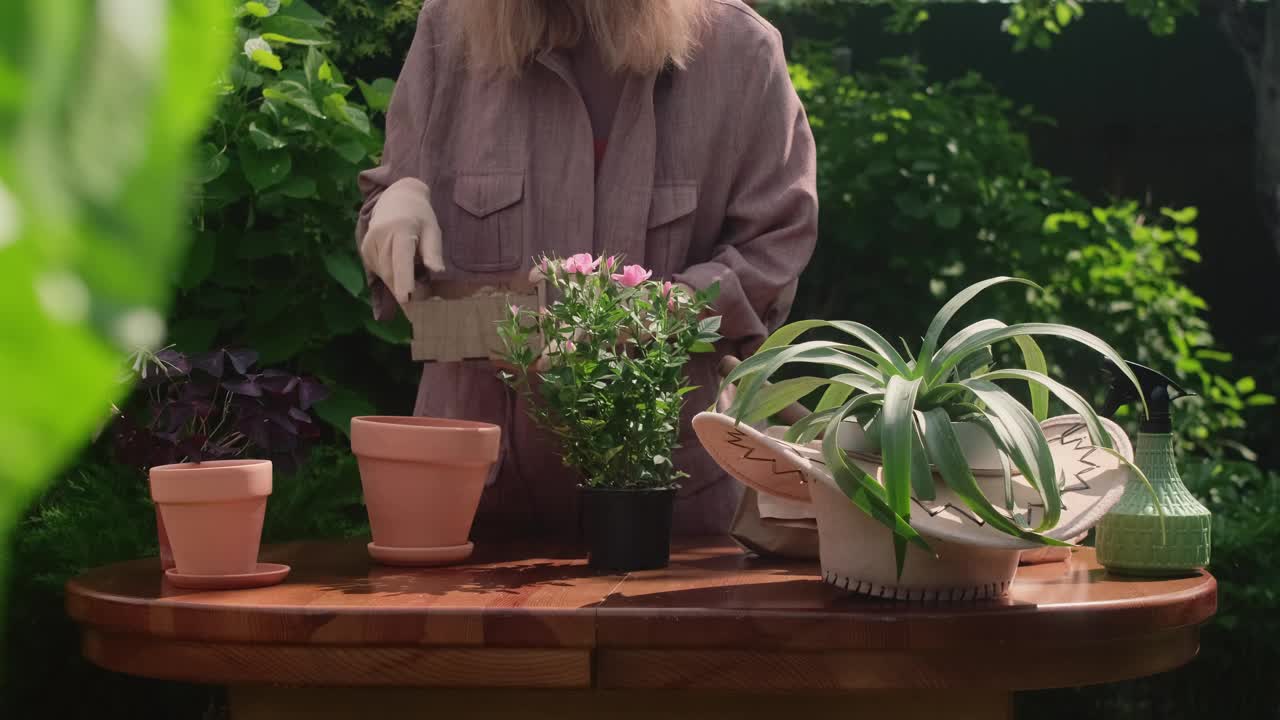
(771, 224)
(402, 151)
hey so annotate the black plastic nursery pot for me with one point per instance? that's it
(628, 529)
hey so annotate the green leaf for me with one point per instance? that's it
(949, 310)
(759, 367)
(856, 484)
(261, 8)
(325, 72)
(356, 118)
(921, 471)
(882, 351)
(944, 450)
(287, 40)
(948, 216)
(975, 363)
(1033, 360)
(342, 405)
(810, 426)
(344, 268)
(896, 432)
(294, 28)
(377, 95)
(263, 139)
(1098, 434)
(293, 93)
(1027, 444)
(779, 396)
(264, 168)
(945, 360)
(352, 151)
(298, 187)
(396, 332)
(311, 65)
(267, 59)
(1185, 216)
(835, 396)
(1062, 11)
(211, 162)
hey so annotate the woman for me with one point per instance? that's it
(664, 131)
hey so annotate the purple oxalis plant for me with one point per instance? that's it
(215, 406)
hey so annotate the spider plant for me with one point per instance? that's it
(910, 402)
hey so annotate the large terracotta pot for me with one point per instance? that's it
(212, 513)
(422, 480)
(856, 553)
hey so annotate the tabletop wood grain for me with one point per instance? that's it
(716, 619)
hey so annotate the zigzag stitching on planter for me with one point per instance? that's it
(1079, 444)
(935, 512)
(985, 591)
(736, 440)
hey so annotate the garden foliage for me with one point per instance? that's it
(273, 264)
(926, 185)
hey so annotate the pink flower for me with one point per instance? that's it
(569, 346)
(582, 263)
(544, 266)
(670, 296)
(632, 275)
(610, 263)
(515, 309)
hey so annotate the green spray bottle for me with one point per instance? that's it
(1129, 539)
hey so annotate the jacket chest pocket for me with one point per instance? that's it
(487, 228)
(670, 226)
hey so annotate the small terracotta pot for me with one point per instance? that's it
(166, 550)
(422, 480)
(212, 513)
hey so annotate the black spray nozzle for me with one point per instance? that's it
(1159, 391)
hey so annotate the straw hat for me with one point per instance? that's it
(1091, 480)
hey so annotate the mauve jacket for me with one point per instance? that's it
(709, 177)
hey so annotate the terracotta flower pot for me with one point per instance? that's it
(422, 480)
(166, 550)
(212, 513)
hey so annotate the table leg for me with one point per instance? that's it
(276, 703)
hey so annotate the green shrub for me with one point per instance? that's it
(273, 264)
(929, 186)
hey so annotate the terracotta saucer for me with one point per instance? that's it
(421, 557)
(265, 574)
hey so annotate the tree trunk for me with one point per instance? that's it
(1267, 119)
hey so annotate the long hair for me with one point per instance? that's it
(640, 36)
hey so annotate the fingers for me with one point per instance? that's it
(431, 245)
(403, 251)
(727, 364)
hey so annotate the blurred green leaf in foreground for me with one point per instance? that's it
(100, 101)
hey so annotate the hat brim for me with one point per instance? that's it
(1091, 481)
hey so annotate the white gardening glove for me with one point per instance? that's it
(403, 231)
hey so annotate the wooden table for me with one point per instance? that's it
(718, 634)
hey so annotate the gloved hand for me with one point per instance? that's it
(403, 231)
